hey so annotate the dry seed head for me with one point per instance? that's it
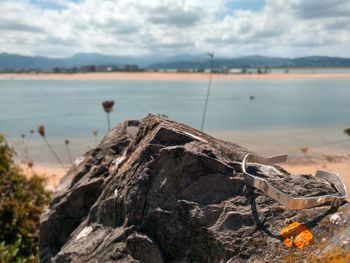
(66, 141)
(41, 130)
(108, 105)
(30, 164)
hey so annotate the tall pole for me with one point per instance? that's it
(66, 142)
(109, 122)
(211, 55)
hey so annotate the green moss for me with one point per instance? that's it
(21, 203)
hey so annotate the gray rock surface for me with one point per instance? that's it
(159, 191)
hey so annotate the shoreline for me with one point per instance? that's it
(166, 76)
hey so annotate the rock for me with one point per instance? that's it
(159, 191)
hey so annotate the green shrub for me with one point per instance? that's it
(21, 203)
(9, 253)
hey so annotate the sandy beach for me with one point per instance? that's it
(166, 76)
(51, 172)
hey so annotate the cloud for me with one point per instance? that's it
(17, 26)
(174, 16)
(132, 27)
(312, 9)
(338, 24)
(125, 30)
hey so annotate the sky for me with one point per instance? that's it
(230, 28)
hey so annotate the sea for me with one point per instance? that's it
(266, 116)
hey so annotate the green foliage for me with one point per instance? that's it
(21, 203)
(9, 253)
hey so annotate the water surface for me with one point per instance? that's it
(284, 113)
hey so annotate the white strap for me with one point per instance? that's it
(287, 200)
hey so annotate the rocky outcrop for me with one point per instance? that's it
(159, 191)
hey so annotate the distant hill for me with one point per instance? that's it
(183, 61)
(257, 61)
(321, 61)
(14, 61)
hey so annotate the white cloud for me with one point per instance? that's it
(134, 27)
(312, 9)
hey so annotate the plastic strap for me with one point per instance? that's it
(287, 200)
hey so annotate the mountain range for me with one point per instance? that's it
(183, 61)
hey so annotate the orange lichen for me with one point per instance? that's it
(288, 242)
(296, 234)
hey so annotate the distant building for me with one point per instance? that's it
(131, 67)
(57, 70)
(107, 68)
(234, 71)
(88, 68)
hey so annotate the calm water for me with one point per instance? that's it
(287, 113)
